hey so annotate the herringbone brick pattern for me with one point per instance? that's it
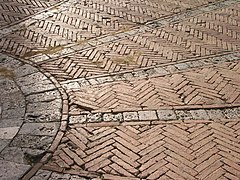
(89, 19)
(15, 10)
(164, 151)
(207, 34)
(205, 86)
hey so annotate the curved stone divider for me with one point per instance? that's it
(159, 115)
(43, 122)
(155, 71)
(62, 128)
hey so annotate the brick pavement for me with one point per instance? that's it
(120, 90)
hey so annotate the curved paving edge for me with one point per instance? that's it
(40, 120)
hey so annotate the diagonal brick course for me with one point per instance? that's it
(173, 154)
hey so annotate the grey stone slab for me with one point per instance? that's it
(42, 175)
(44, 96)
(147, 115)
(160, 71)
(215, 114)
(43, 116)
(21, 155)
(24, 70)
(15, 122)
(62, 176)
(33, 142)
(8, 86)
(199, 114)
(11, 170)
(183, 115)
(231, 113)
(4, 143)
(113, 117)
(37, 87)
(41, 106)
(166, 115)
(12, 100)
(182, 66)
(77, 119)
(129, 116)
(8, 132)
(31, 79)
(13, 113)
(9, 62)
(47, 129)
(94, 117)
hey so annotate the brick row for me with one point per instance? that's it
(204, 86)
(182, 151)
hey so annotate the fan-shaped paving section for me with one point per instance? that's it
(30, 113)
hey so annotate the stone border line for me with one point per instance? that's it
(63, 120)
(98, 41)
(45, 118)
(157, 116)
(155, 71)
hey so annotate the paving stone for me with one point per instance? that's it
(94, 117)
(147, 115)
(215, 114)
(8, 132)
(182, 66)
(24, 70)
(43, 116)
(21, 155)
(166, 115)
(129, 116)
(9, 62)
(11, 170)
(44, 96)
(77, 119)
(8, 86)
(12, 101)
(32, 141)
(183, 115)
(32, 79)
(199, 114)
(47, 129)
(40, 58)
(13, 113)
(39, 87)
(160, 71)
(41, 106)
(15, 122)
(65, 176)
(231, 113)
(4, 143)
(42, 175)
(113, 117)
